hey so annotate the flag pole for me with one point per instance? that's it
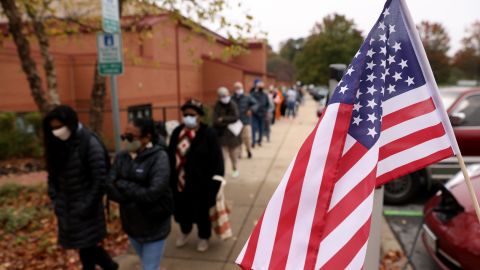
(469, 184)
(428, 73)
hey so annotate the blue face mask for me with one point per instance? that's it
(190, 121)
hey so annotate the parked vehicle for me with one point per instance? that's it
(451, 232)
(463, 108)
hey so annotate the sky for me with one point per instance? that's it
(283, 19)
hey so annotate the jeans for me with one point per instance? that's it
(150, 253)
(96, 255)
(257, 127)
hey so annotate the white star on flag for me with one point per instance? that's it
(372, 132)
(397, 76)
(409, 81)
(397, 46)
(357, 120)
(370, 53)
(372, 118)
(403, 63)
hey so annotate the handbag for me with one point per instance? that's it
(236, 128)
(219, 217)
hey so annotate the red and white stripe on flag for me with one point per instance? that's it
(319, 216)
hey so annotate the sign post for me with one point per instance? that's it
(110, 60)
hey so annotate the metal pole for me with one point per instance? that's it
(115, 113)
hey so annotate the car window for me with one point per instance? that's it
(470, 107)
(448, 98)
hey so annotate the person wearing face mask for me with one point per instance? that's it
(246, 106)
(225, 113)
(197, 174)
(140, 182)
(260, 114)
(77, 166)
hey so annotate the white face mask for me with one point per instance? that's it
(239, 91)
(225, 100)
(190, 121)
(62, 133)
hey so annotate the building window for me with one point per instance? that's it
(140, 112)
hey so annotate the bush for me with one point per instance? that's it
(7, 122)
(17, 142)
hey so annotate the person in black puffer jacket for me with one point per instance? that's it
(140, 182)
(77, 171)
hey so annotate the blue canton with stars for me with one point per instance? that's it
(385, 66)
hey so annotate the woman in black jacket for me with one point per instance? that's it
(77, 168)
(197, 173)
(140, 182)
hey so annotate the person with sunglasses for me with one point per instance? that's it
(140, 182)
(197, 173)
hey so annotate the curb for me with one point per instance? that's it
(391, 252)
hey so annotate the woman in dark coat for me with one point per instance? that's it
(77, 166)
(224, 114)
(140, 182)
(197, 173)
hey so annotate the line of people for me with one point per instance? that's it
(149, 180)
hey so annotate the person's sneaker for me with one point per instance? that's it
(202, 245)
(182, 240)
(249, 154)
(235, 174)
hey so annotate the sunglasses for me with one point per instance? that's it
(127, 137)
(189, 114)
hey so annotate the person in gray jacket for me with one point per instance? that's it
(246, 105)
(226, 113)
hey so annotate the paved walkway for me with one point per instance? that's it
(248, 195)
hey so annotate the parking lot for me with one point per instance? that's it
(405, 222)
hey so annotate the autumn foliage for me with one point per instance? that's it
(28, 232)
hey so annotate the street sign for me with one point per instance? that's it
(109, 47)
(110, 16)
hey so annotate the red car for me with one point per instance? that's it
(463, 108)
(451, 233)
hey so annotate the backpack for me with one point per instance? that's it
(83, 151)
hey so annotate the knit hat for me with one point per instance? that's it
(195, 105)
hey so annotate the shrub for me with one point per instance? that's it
(7, 122)
(20, 142)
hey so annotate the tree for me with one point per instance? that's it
(467, 59)
(282, 68)
(290, 48)
(335, 40)
(43, 19)
(436, 42)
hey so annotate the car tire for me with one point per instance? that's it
(401, 190)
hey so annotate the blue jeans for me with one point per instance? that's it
(257, 127)
(150, 253)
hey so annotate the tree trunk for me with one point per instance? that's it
(48, 63)
(97, 104)
(24, 53)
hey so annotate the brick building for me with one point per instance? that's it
(174, 63)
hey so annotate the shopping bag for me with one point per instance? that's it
(219, 218)
(236, 128)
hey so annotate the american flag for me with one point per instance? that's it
(384, 120)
